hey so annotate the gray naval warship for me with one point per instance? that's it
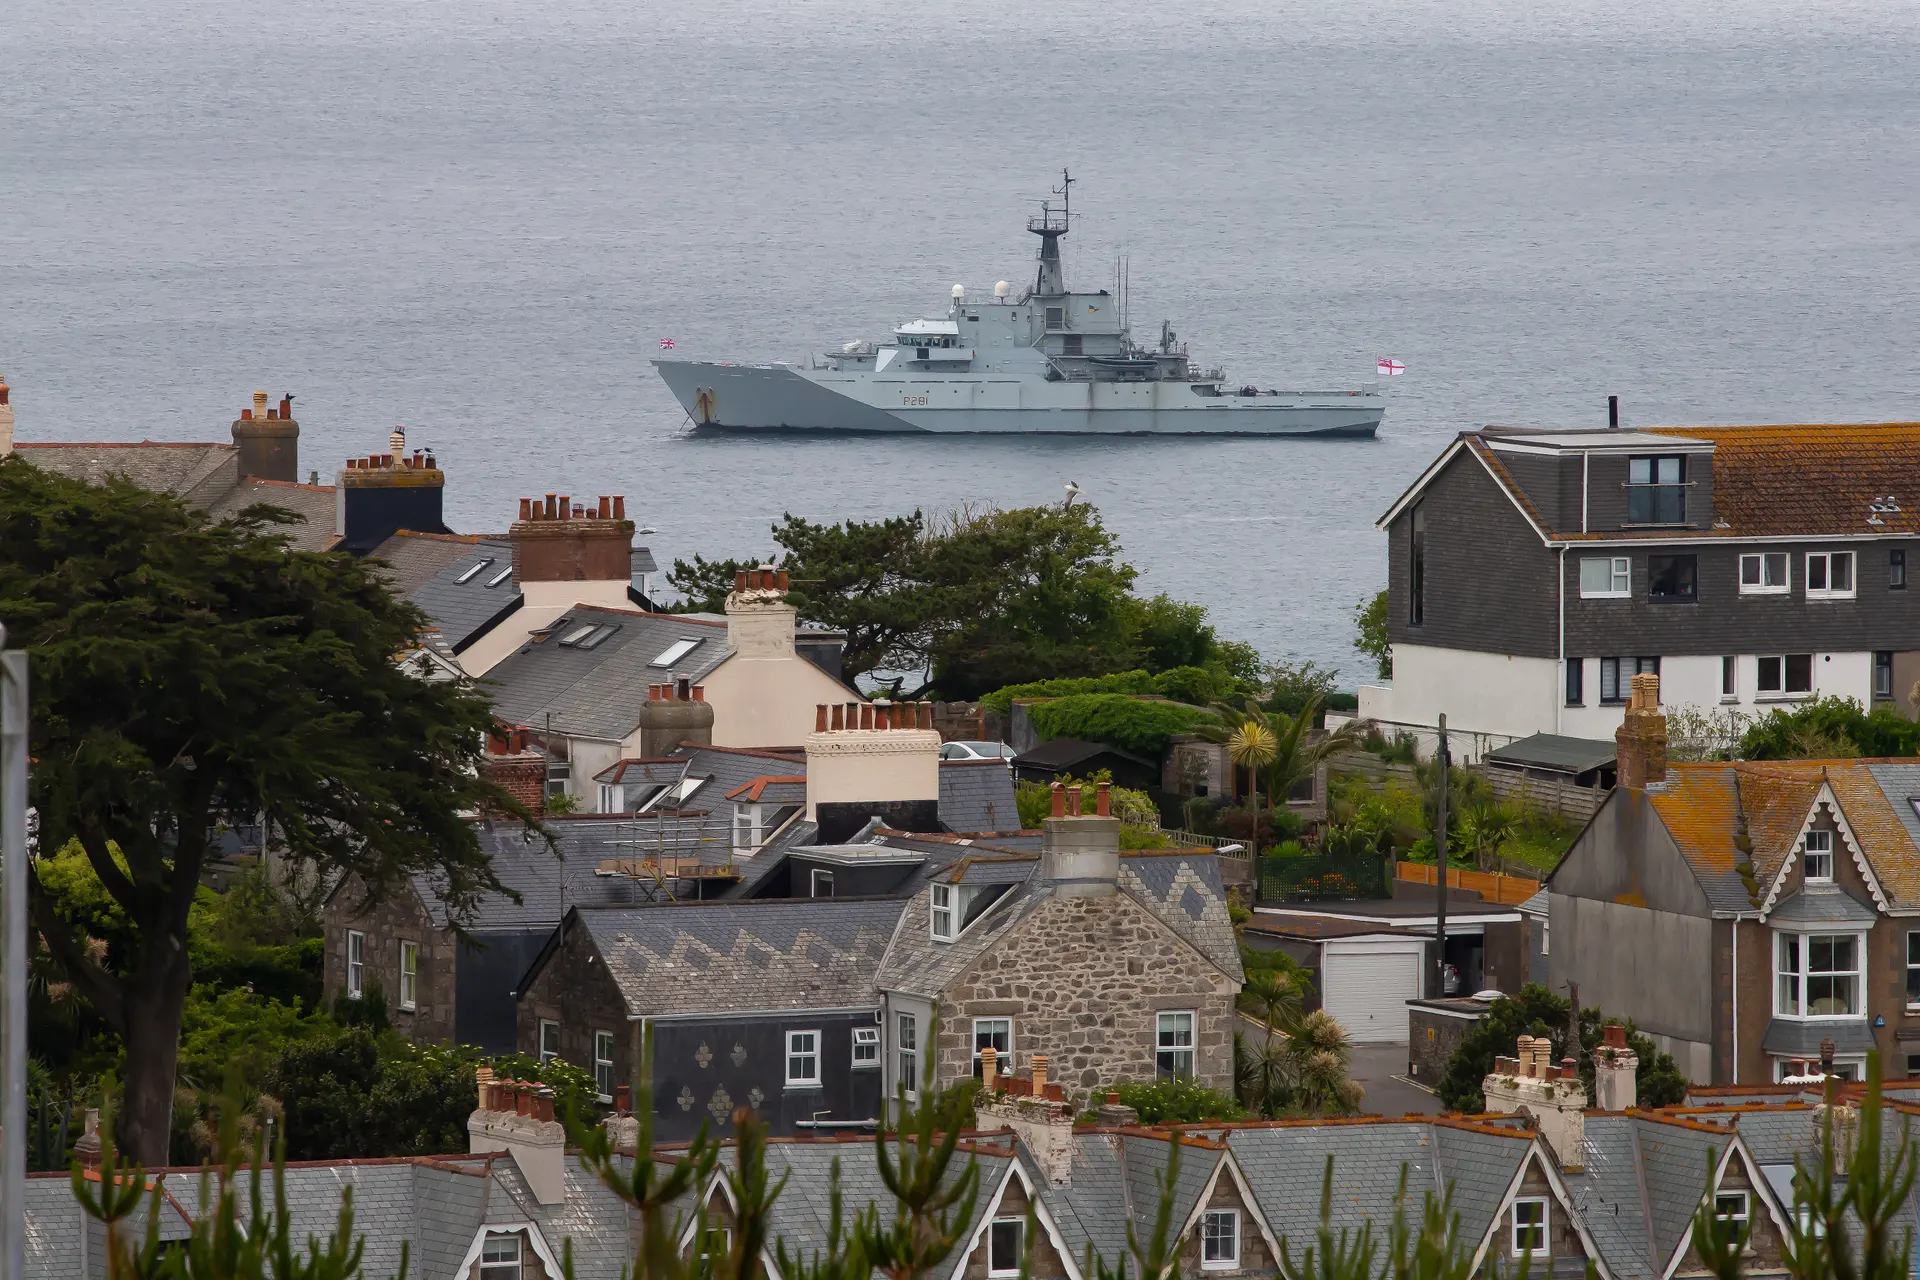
(1045, 361)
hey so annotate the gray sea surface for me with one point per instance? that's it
(480, 218)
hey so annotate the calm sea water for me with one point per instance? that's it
(480, 218)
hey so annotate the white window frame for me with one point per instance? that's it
(943, 911)
(356, 964)
(814, 875)
(1619, 578)
(810, 1054)
(1018, 1227)
(1211, 1236)
(549, 1032)
(409, 975)
(1816, 853)
(1166, 1021)
(907, 1052)
(1913, 970)
(610, 797)
(704, 1243)
(1762, 561)
(502, 1268)
(1723, 1212)
(1826, 560)
(866, 1047)
(603, 1065)
(1729, 679)
(1004, 1058)
(1521, 1247)
(1791, 987)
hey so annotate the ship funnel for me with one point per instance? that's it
(959, 292)
(1002, 289)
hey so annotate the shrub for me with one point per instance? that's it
(1174, 1101)
(1830, 728)
(1537, 1011)
(1134, 808)
(1197, 685)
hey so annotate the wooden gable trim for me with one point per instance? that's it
(1016, 1170)
(1760, 1186)
(1536, 1157)
(534, 1239)
(1826, 797)
(1232, 1167)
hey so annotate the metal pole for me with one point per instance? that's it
(13, 960)
(1440, 865)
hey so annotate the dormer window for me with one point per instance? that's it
(1656, 489)
(748, 827)
(1819, 855)
(944, 912)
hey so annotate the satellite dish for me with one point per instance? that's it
(1002, 289)
(959, 292)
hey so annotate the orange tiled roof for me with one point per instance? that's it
(1812, 479)
(1721, 815)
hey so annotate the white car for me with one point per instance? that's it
(976, 751)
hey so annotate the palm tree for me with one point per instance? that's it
(1279, 749)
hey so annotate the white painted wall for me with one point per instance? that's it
(1502, 697)
(768, 702)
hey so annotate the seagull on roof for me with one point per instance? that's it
(1073, 491)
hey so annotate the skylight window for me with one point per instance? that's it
(671, 796)
(473, 572)
(674, 652)
(598, 638)
(573, 638)
(500, 577)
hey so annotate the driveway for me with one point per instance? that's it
(1376, 1066)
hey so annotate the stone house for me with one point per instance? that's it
(1114, 968)
(1743, 913)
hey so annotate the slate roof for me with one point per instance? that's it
(318, 526)
(1822, 905)
(1800, 480)
(1792, 1038)
(200, 473)
(548, 885)
(977, 796)
(1556, 751)
(1061, 754)
(597, 693)
(429, 569)
(741, 957)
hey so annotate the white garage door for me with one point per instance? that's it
(1365, 984)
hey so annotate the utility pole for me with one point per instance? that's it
(13, 959)
(1440, 866)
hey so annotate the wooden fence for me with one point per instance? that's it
(1562, 800)
(1490, 885)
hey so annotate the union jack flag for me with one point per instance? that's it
(666, 344)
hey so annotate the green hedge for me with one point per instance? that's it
(1134, 724)
(1182, 684)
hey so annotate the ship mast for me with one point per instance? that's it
(1052, 281)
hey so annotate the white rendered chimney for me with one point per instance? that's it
(860, 752)
(6, 420)
(1553, 1095)
(1043, 1124)
(1615, 1071)
(516, 1116)
(760, 622)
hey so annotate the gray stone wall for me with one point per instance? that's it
(399, 918)
(574, 989)
(1082, 979)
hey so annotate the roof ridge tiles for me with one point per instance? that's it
(1678, 1122)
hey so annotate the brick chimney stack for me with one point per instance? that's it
(6, 419)
(1641, 740)
(268, 440)
(559, 544)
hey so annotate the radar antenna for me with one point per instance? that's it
(1050, 227)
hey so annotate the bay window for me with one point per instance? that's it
(1817, 975)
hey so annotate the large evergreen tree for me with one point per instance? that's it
(189, 673)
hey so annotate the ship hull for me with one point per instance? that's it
(783, 398)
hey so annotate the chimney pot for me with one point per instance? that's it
(550, 507)
(566, 507)
(286, 407)
(526, 508)
(838, 719)
(1059, 801)
(1640, 743)
(619, 507)
(1073, 801)
(739, 581)
(246, 415)
(1103, 802)
(683, 689)
(1039, 1075)
(623, 1099)
(260, 404)
(988, 1059)
(783, 579)
(820, 718)
(273, 414)
(1614, 1036)
(866, 715)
